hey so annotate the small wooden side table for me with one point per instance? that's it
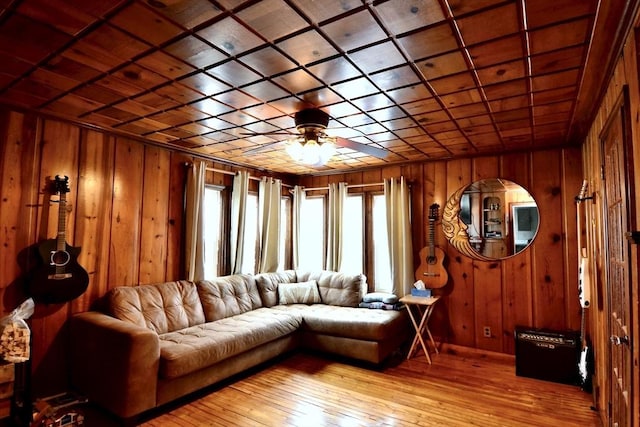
(425, 306)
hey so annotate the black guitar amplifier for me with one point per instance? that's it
(548, 355)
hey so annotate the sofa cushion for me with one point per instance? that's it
(268, 285)
(191, 349)
(350, 322)
(228, 296)
(337, 288)
(299, 293)
(163, 307)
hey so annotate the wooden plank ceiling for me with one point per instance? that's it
(423, 80)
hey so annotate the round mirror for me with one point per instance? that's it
(491, 219)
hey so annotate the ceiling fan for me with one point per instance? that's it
(313, 146)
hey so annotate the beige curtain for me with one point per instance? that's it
(397, 198)
(269, 196)
(238, 214)
(337, 196)
(194, 242)
(298, 199)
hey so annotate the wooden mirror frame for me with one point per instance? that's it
(455, 230)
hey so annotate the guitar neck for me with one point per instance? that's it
(432, 251)
(582, 326)
(62, 220)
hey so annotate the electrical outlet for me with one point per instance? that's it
(487, 332)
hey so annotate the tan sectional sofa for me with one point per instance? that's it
(151, 344)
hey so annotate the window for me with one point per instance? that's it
(312, 231)
(353, 244)
(383, 282)
(250, 235)
(212, 230)
(285, 234)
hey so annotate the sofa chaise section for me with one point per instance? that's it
(337, 325)
(357, 333)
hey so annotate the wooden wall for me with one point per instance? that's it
(626, 77)
(125, 209)
(536, 288)
(126, 214)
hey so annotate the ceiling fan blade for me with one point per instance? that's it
(266, 133)
(265, 147)
(363, 148)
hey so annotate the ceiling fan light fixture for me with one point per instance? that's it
(295, 147)
(327, 150)
(311, 152)
(311, 149)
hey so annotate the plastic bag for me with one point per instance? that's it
(15, 335)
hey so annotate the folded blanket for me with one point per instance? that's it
(381, 305)
(384, 297)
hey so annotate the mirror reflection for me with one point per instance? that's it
(491, 219)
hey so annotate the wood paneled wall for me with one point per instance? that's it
(536, 288)
(125, 211)
(126, 204)
(625, 77)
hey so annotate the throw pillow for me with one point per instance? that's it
(299, 293)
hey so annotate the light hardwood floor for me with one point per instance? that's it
(462, 387)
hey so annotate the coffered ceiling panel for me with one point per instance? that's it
(402, 80)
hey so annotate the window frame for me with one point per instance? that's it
(223, 249)
(363, 198)
(324, 198)
(256, 243)
(287, 226)
(370, 254)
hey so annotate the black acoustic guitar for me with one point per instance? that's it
(60, 278)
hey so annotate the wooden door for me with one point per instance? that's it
(616, 161)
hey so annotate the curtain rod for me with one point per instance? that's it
(232, 173)
(287, 185)
(220, 171)
(189, 164)
(250, 176)
(348, 186)
(229, 173)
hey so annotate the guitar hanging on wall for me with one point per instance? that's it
(60, 278)
(585, 361)
(431, 269)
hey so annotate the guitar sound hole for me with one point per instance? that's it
(60, 258)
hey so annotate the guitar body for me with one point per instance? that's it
(54, 284)
(431, 269)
